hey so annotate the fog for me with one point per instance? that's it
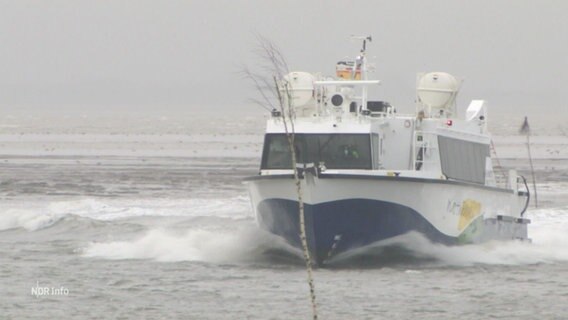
(168, 57)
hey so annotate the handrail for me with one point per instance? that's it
(420, 148)
(345, 82)
(528, 196)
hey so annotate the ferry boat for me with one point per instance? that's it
(369, 174)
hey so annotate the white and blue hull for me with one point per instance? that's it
(345, 212)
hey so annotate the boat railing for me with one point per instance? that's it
(423, 146)
(501, 179)
(508, 180)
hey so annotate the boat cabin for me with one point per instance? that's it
(336, 129)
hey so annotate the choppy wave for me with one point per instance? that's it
(36, 216)
(236, 208)
(30, 220)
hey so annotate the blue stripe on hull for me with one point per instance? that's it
(358, 222)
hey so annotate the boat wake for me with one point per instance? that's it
(222, 232)
(245, 245)
(549, 234)
(250, 245)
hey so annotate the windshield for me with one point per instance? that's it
(336, 151)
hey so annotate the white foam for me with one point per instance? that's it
(163, 246)
(549, 234)
(193, 245)
(30, 220)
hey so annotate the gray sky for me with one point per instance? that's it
(175, 56)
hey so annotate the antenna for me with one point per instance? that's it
(361, 62)
(365, 39)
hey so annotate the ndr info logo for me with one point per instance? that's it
(38, 291)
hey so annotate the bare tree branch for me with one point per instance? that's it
(275, 86)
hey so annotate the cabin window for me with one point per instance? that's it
(336, 151)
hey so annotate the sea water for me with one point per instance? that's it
(147, 218)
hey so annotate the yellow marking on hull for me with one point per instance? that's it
(469, 211)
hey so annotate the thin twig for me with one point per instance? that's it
(277, 88)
